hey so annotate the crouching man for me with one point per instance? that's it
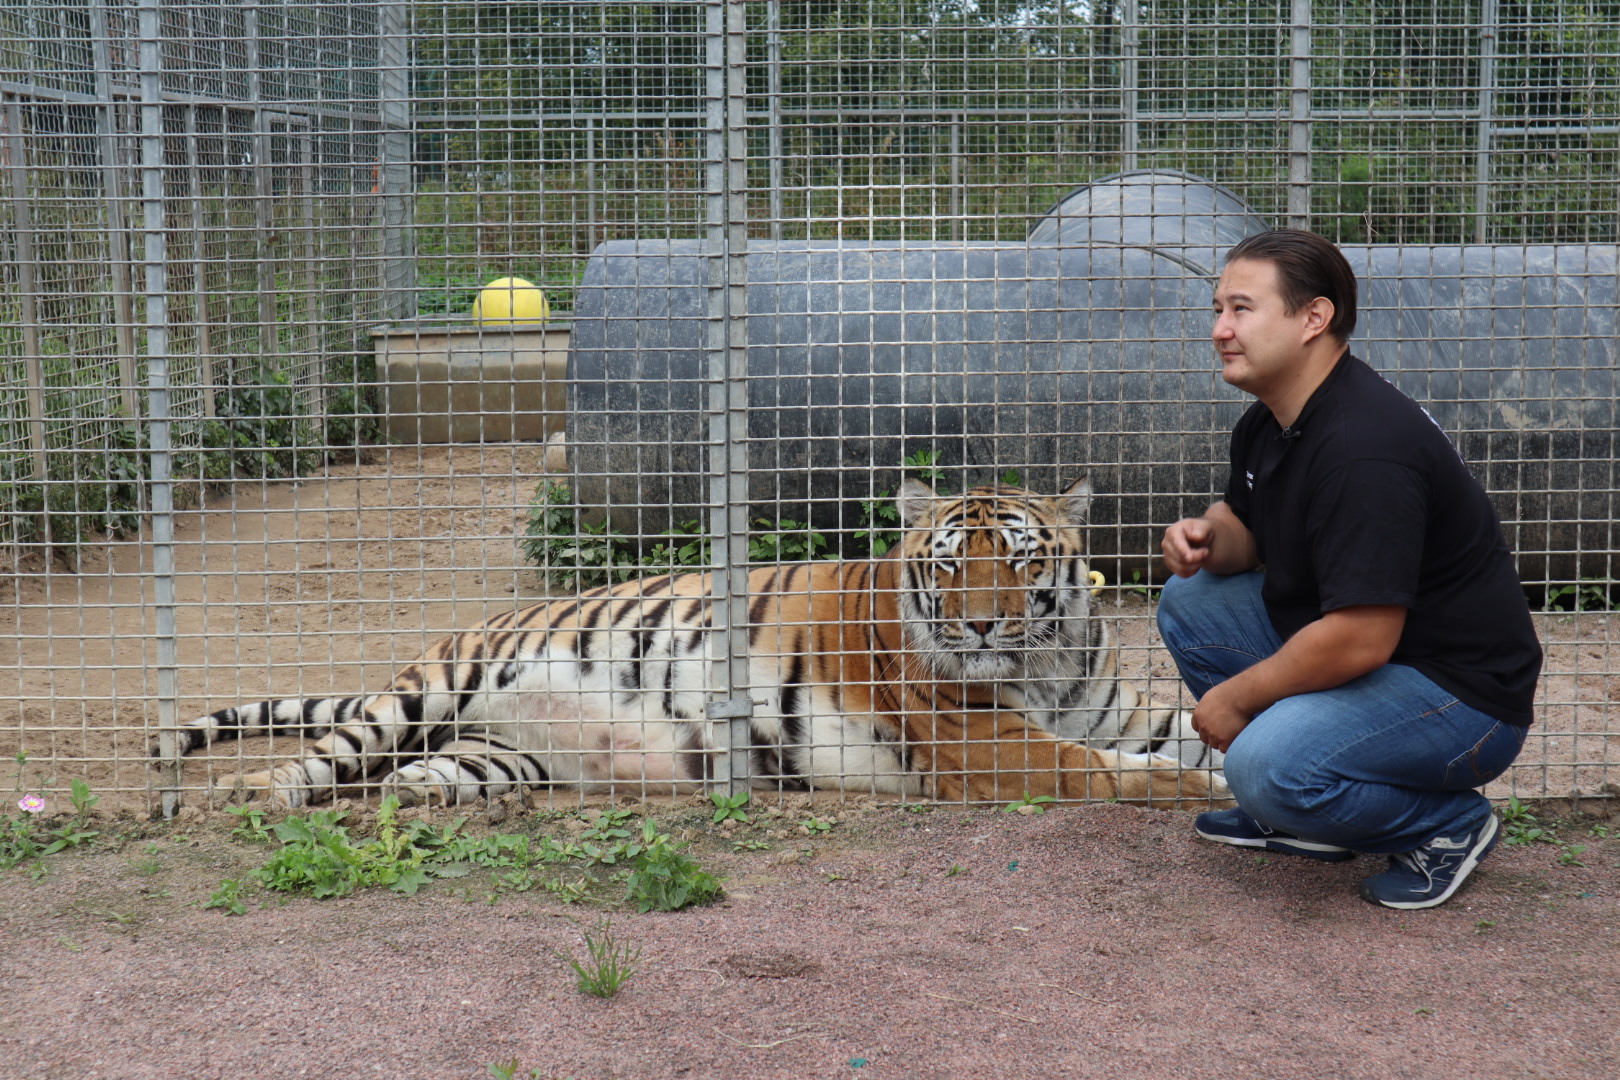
(1348, 615)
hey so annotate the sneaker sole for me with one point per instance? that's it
(1482, 847)
(1307, 848)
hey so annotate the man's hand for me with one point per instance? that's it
(1342, 645)
(1218, 719)
(1186, 545)
(1218, 542)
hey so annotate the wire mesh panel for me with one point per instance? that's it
(333, 330)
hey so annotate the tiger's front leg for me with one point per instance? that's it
(998, 757)
(346, 757)
(477, 765)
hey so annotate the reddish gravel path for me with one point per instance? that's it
(1100, 941)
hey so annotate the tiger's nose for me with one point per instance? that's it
(982, 628)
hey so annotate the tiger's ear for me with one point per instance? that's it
(915, 502)
(1075, 502)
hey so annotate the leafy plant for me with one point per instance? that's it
(570, 553)
(352, 417)
(23, 836)
(88, 493)
(252, 828)
(318, 856)
(1029, 804)
(729, 807)
(674, 554)
(881, 521)
(508, 1070)
(611, 826)
(1519, 825)
(665, 878)
(229, 897)
(258, 429)
(1589, 594)
(1142, 587)
(784, 541)
(609, 964)
(816, 825)
(926, 464)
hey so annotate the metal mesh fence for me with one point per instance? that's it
(257, 440)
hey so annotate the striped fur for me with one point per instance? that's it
(966, 665)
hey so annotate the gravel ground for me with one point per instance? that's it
(1099, 941)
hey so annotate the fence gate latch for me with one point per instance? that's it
(737, 708)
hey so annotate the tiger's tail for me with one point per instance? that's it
(308, 717)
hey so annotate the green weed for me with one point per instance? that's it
(609, 964)
(252, 828)
(24, 838)
(1029, 804)
(1142, 587)
(785, 541)
(1519, 825)
(729, 807)
(925, 463)
(508, 1070)
(573, 554)
(664, 878)
(1588, 594)
(319, 858)
(881, 519)
(229, 897)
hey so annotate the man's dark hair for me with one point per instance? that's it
(1308, 266)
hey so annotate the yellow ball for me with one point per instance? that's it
(511, 300)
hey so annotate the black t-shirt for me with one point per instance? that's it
(1364, 500)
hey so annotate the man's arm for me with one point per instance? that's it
(1342, 645)
(1218, 542)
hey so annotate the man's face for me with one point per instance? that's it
(1257, 341)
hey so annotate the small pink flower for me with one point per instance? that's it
(31, 804)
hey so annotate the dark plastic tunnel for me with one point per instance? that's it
(1083, 349)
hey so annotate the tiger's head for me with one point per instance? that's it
(994, 584)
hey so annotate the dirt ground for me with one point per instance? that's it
(946, 944)
(906, 942)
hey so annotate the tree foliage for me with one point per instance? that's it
(907, 117)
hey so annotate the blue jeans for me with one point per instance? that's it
(1384, 763)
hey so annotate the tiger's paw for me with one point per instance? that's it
(414, 785)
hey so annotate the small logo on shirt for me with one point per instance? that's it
(1249, 476)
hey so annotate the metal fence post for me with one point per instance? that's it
(1487, 120)
(394, 180)
(112, 167)
(156, 282)
(1129, 89)
(1299, 119)
(726, 229)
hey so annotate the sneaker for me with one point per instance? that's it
(1429, 875)
(1236, 827)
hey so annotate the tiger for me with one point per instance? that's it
(966, 664)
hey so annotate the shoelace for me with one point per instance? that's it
(1416, 861)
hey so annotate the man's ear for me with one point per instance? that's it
(1318, 317)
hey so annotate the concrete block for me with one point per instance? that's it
(473, 384)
